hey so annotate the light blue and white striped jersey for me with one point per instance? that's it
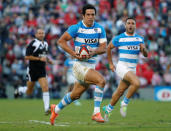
(129, 48)
(90, 36)
(69, 63)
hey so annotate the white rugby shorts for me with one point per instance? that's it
(122, 69)
(70, 78)
(80, 69)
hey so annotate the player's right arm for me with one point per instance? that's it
(62, 42)
(109, 56)
(67, 36)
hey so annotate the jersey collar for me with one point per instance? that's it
(86, 26)
(129, 35)
(39, 40)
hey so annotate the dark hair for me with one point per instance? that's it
(88, 6)
(132, 18)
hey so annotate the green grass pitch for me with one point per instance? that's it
(28, 115)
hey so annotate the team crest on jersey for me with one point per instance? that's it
(96, 30)
(137, 38)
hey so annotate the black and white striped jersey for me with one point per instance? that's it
(37, 48)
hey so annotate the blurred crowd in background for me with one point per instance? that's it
(19, 20)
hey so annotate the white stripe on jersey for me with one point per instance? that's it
(102, 40)
(128, 64)
(130, 39)
(82, 40)
(126, 47)
(128, 56)
(89, 31)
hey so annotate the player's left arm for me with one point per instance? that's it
(143, 50)
(100, 50)
(102, 43)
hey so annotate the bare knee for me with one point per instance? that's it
(75, 96)
(29, 91)
(101, 83)
(45, 89)
(136, 83)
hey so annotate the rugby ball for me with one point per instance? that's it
(83, 51)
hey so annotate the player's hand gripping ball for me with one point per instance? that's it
(84, 51)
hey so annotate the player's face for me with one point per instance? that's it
(130, 26)
(40, 34)
(89, 17)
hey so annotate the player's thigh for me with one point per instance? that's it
(93, 77)
(43, 82)
(78, 90)
(131, 77)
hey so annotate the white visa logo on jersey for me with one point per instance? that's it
(89, 41)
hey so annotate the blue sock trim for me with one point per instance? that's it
(97, 103)
(60, 105)
(126, 100)
(65, 99)
(111, 107)
(97, 94)
(100, 88)
(69, 98)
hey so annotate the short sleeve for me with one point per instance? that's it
(29, 49)
(115, 41)
(142, 42)
(72, 30)
(103, 36)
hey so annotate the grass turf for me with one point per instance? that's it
(24, 115)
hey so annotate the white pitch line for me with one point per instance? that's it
(4, 122)
(48, 123)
